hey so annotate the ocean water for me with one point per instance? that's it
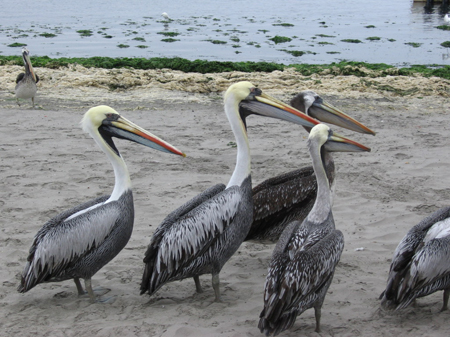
(397, 32)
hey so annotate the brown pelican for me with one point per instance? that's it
(26, 82)
(279, 200)
(200, 236)
(307, 253)
(78, 242)
(421, 263)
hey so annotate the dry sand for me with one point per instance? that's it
(47, 164)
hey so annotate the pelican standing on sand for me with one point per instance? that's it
(421, 263)
(290, 196)
(26, 82)
(200, 236)
(79, 242)
(305, 257)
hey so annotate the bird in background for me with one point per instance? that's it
(26, 82)
(290, 196)
(80, 241)
(447, 18)
(166, 16)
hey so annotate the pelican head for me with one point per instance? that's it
(250, 100)
(313, 105)
(332, 142)
(103, 122)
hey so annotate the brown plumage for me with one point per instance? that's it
(279, 200)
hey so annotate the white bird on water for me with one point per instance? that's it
(446, 18)
(166, 16)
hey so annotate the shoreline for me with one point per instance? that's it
(93, 85)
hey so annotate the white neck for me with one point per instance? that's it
(243, 160)
(322, 205)
(122, 177)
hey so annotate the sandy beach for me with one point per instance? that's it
(48, 164)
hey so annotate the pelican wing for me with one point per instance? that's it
(428, 267)
(299, 283)
(20, 77)
(285, 192)
(432, 262)
(411, 243)
(291, 185)
(61, 242)
(413, 239)
(188, 238)
(174, 216)
(190, 205)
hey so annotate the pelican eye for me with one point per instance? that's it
(112, 117)
(255, 91)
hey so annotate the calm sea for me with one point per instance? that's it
(393, 32)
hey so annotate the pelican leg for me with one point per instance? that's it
(446, 295)
(318, 314)
(216, 287)
(97, 292)
(88, 284)
(32, 100)
(79, 287)
(198, 286)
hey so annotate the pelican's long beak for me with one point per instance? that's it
(268, 106)
(125, 129)
(27, 62)
(338, 143)
(327, 113)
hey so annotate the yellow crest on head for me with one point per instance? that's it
(240, 90)
(320, 132)
(95, 116)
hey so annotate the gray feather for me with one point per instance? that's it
(419, 267)
(79, 247)
(199, 237)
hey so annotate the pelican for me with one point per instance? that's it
(290, 196)
(79, 242)
(304, 259)
(421, 263)
(200, 236)
(26, 82)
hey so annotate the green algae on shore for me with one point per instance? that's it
(359, 69)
